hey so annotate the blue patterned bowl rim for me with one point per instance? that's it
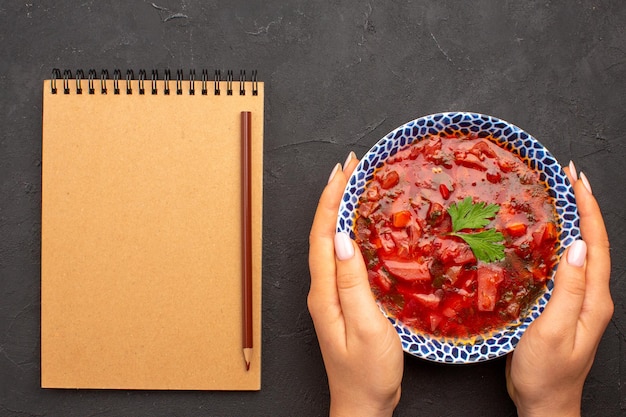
(502, 341)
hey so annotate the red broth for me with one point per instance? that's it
(432, 281)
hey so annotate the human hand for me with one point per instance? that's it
(361, 350)
(546, 372)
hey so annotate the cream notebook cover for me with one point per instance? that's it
(141, 232)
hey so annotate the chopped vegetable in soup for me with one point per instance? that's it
(459, 235)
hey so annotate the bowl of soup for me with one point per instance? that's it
(461, 219)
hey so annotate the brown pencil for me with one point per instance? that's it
(246, 232)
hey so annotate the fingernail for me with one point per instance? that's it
(572, 171)
(334, 172)
(585, 181)
(350, 157)
(577, 253)
(343, 246)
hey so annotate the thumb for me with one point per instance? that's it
(563, 310)
(355, 296)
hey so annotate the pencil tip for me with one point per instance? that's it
(247, 352)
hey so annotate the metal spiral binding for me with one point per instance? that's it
(242, 78)
(67, 74)
(142, 80)
(66, 77)
(229, 82)
(179, 82)
(192, 84)
(79, 77)
(129, 76)
(218, 76)
(116, 81)
(255, 83)
(155, 77)
(90, 77)
(166, 80)
(205, 78)
(56, 74)
(104, 76)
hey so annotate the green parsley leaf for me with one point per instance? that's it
(486, 244)
(469, 215)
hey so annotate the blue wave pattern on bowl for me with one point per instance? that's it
(515, 140)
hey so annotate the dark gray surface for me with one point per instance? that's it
(339, 75)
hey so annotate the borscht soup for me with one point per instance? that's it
(459, 235)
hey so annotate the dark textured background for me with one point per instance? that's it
(339, 75)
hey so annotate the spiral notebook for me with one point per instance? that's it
(141, 230)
